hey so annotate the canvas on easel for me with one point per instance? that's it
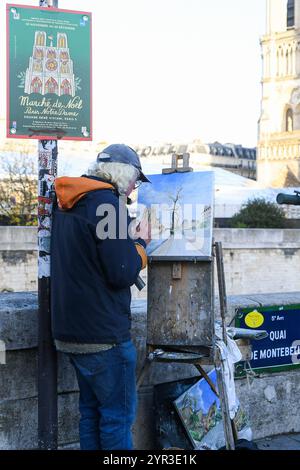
(179, 207)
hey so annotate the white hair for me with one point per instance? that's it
(118, 174)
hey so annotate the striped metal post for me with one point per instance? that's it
(47, 357)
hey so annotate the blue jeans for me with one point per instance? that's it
(107, 401)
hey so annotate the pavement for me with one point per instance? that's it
(281, 442)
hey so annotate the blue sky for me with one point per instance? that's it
(202, 394)
(172, 70)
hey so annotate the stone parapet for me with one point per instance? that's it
(271, 400)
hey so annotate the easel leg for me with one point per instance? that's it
(144, 370)
(207, 378)
(227, 424)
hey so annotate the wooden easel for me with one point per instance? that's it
(209, 354)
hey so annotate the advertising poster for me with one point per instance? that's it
(48, 73)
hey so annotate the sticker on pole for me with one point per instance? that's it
(48, 73)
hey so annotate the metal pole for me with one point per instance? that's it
(47, 357)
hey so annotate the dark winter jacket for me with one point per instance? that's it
(90, 277)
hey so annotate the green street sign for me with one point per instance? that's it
(280, 351)
(48, 73)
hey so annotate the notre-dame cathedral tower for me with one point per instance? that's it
(278, 156)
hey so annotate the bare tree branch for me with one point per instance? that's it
(18, 189)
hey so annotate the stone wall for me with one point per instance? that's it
(255, 260)
(18, 259)
(270, 400)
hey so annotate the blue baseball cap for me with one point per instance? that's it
(121, 153)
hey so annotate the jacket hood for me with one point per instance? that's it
(70, 189)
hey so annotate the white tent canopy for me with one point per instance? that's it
(232, 191)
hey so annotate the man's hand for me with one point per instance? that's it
(143, 229)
